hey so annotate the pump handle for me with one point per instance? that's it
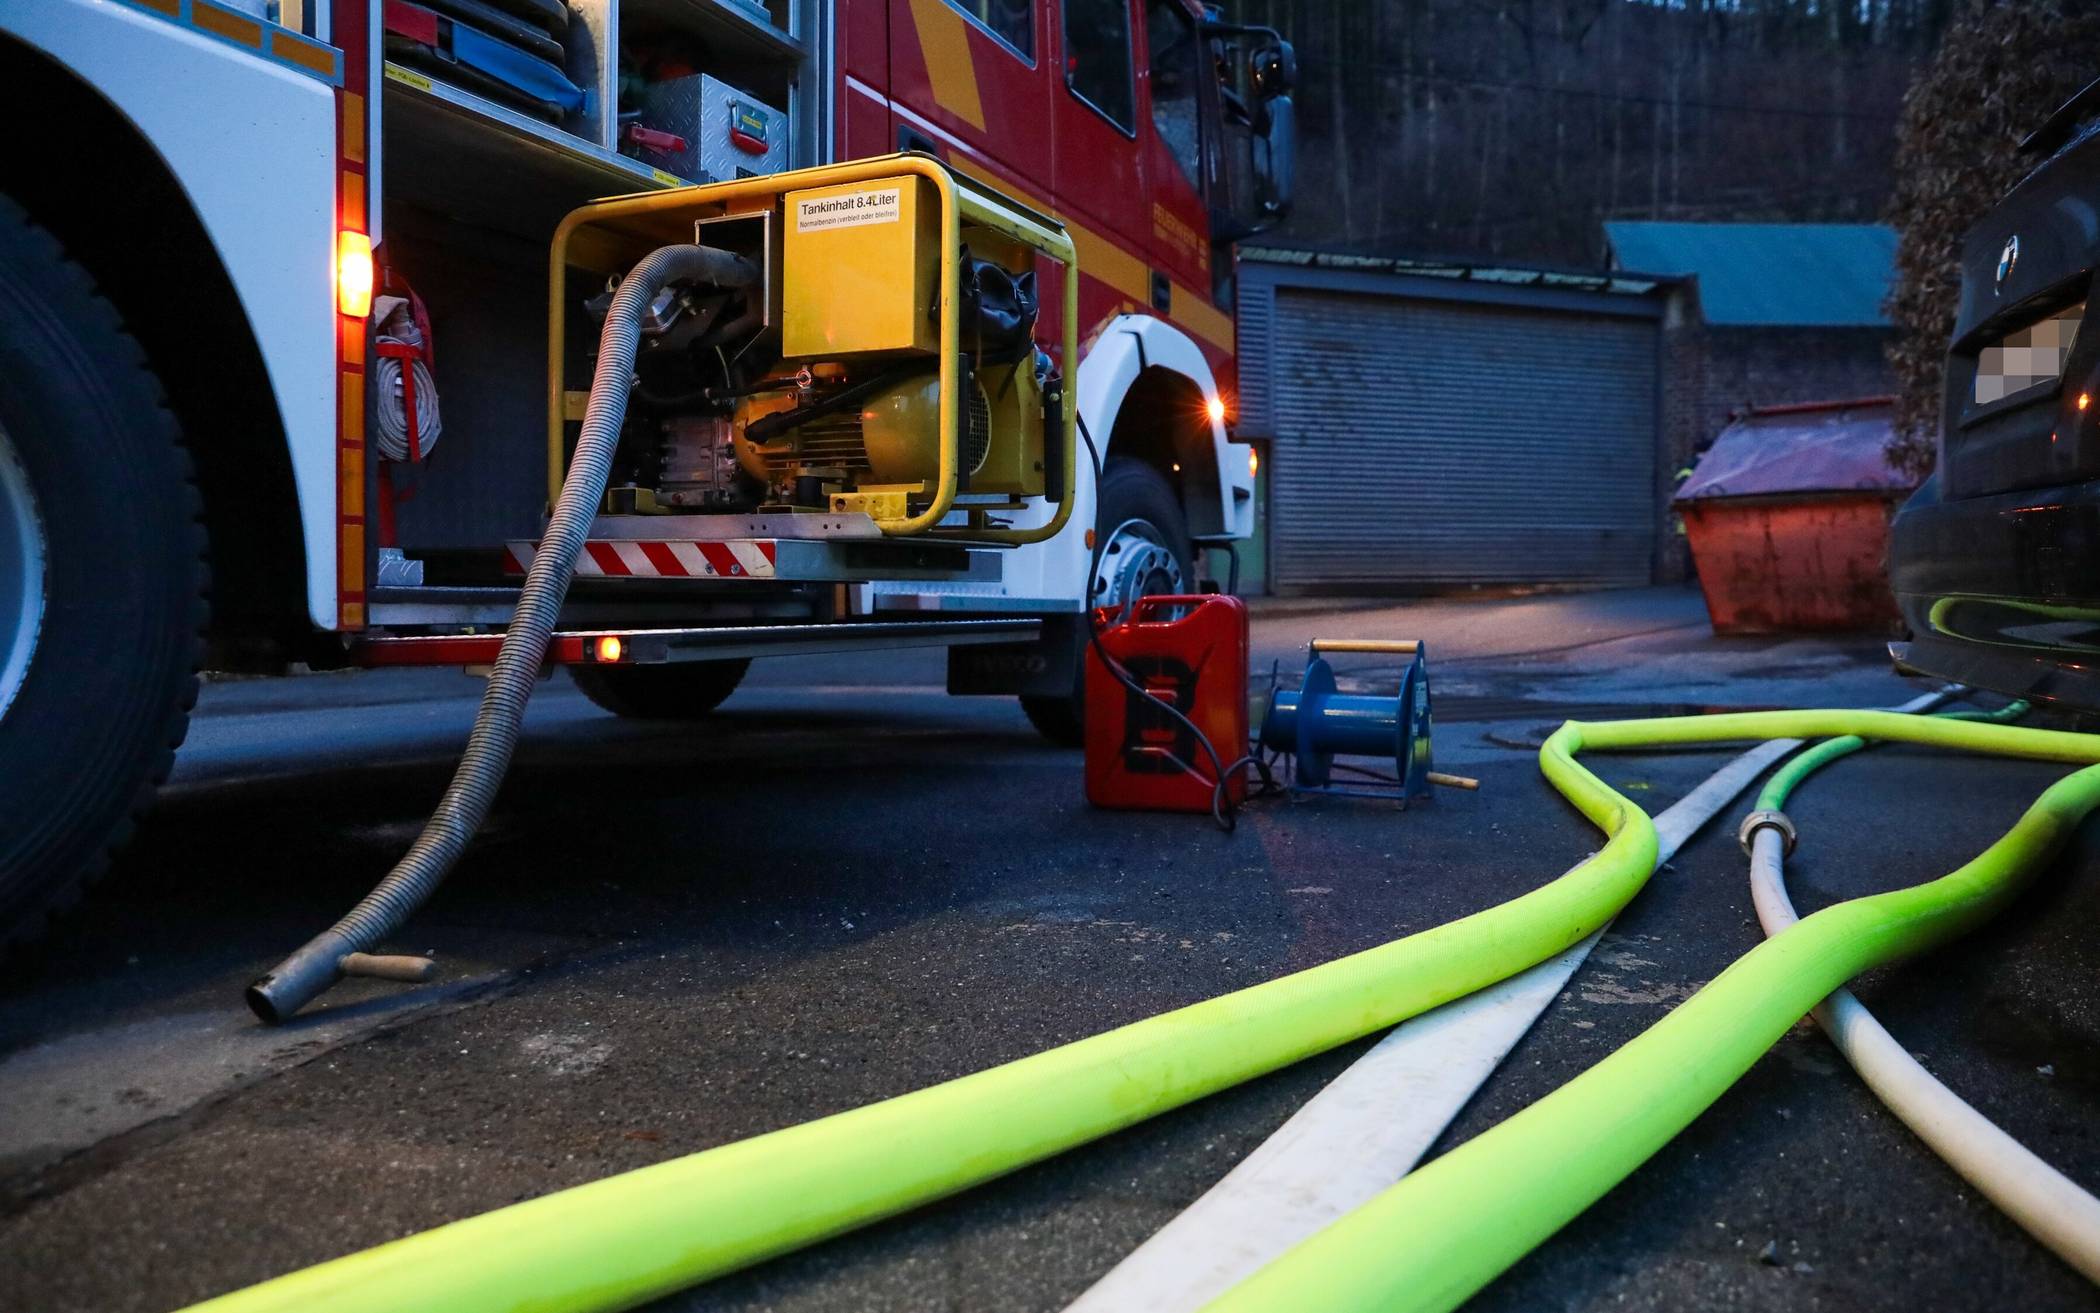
(1387, 646)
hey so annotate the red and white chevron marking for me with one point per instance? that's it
(738, 558)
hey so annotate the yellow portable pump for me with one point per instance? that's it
(886, 364)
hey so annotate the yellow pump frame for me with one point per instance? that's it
(608, 234)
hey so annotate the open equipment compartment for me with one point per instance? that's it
(472, 188)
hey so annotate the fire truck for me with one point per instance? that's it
(311, 316)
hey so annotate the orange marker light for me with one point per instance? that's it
(353, 273)
(610, 648)
(2084, 399)
(1253, 461)
(1216, 407)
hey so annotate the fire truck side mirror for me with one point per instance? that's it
(1276, 160)
(1257, 71)
(1273, 69)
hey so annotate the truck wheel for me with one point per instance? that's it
(684, 690)
(102, 580)
(1145, 550)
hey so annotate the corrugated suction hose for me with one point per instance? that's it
(300, 978)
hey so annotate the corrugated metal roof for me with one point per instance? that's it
(1802, 275)
(1455, 270)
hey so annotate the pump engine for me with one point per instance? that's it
(821, 388)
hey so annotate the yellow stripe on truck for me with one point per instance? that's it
(944, 43)
(227, 23)
(353, 128)
(1201, 317)
(313, 56)
(1111, 264)
(353, 476)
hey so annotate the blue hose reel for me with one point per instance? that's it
(1315, 723)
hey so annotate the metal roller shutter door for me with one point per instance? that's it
(1438, 442)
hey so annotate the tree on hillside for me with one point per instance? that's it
(1512, 129)
(2001, 68)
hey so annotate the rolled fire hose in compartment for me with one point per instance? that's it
(397, 326)
(319, 964)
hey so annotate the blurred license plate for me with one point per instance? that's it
(2029, 358)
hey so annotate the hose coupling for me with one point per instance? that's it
(276, 995)
(1746, 834)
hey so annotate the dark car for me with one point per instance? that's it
(1996, 559)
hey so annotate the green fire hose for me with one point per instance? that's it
(2047, 1204)
(624, 1240)
(1772, 798)
(1449, 1228)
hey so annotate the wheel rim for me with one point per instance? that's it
(21, 573)
(1136, 562)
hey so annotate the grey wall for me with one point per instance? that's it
(1776, 366)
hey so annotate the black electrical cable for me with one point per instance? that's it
(768, 427)
(1223, 809)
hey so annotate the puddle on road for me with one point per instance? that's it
(565, 1054)
(68, 1093)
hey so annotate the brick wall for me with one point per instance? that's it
(1681, 421)
(1708, 373)
(1774, 366)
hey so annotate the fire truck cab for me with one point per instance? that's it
(298, 301)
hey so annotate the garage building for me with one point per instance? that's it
(1430, 426)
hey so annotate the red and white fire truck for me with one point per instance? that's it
(288, 374)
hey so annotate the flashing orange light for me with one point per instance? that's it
(1216, 407)
(1253, 461)
(610, 648)
(2084, 399)
(353, 273)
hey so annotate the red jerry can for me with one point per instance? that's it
(1190, 652)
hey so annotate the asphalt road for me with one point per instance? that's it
(849, 885)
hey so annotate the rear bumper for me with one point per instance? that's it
(2003, 592)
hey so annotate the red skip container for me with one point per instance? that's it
(1190, 652)
(1788, 518)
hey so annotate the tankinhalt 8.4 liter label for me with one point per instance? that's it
(849, 209)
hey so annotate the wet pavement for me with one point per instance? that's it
(848, 885)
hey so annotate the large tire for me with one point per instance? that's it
(684, 690)
(102, 580)
(1135, 498)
